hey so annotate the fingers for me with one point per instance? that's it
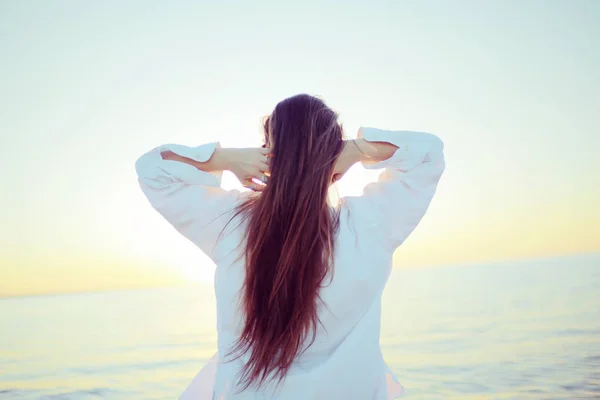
(250, 184)
(264, 164)
(264, 169)
(266, 155)
(255, 170)
(257, 179)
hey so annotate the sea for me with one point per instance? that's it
(507, 330)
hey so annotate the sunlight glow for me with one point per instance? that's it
(85, 91)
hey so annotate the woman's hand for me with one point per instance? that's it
(350, 155)
(247, 164)
(364, 151)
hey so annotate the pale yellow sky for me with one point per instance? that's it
(511, 87)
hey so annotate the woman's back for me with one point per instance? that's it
(266, 306)
(346, 340)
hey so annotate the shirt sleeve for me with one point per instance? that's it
(189, 199)
(391, 208)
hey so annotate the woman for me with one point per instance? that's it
(298, 281)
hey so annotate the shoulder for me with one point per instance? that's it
(363, 221)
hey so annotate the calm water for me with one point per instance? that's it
(527, 330)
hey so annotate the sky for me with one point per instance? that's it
(512, 87)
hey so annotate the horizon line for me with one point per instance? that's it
(196, 283)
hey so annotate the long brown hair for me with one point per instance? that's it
(289, 239)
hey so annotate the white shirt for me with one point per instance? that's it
(345, 360)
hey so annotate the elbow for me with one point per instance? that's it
(144, 163)
(437, 144)
(147, 161)
(431, 141)
(437, 148)
(435, 157)
(439, 166)
(139, 165)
